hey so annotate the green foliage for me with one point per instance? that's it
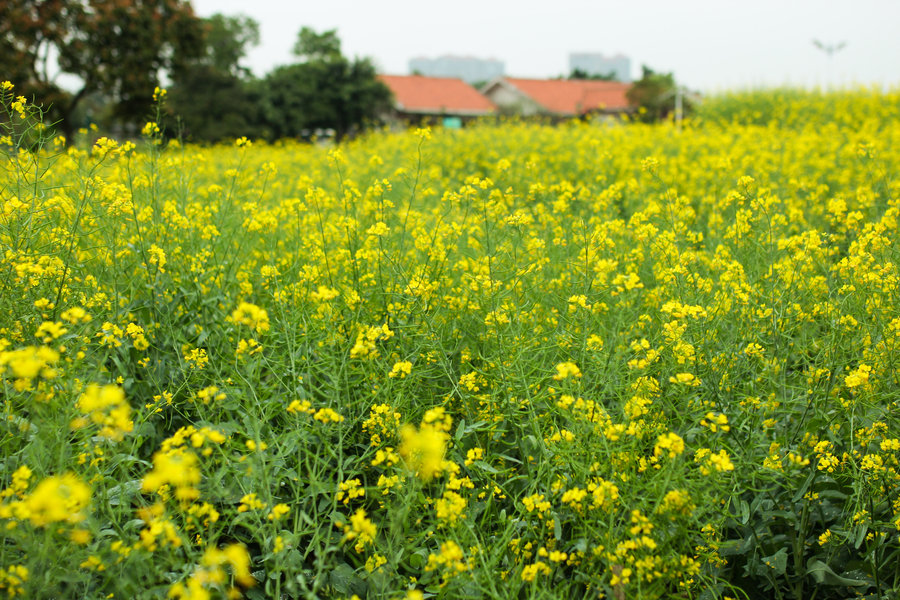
(325, 91)
(653, 95)
(212, 105)
(227, 41)
(116, 47)
(213, 96)
(582, 74)
(214, 99)
(312, 46)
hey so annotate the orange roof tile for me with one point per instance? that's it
(420, 94)
(573, 96)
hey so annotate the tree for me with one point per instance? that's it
(227, 40)
(312, 46)
(654, 95)
(582, 74)
(212, 94)
(323, 91)
(213, 105)
(114, 47)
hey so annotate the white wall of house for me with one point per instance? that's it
(511, 100)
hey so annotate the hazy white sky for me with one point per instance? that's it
(710, 45)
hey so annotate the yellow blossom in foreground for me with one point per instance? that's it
(360, 529)
(473, 454)
(177, 467)
(716, 422)
(252, 316)
(28, 363)
(327, 415)
(197, 358)
(401, 369)
(20, 479)
(858, 377)
(379, 229)
(688, 379)
(423, 450)
(719, 461)
(157, 257)
(374, 562)
(105, 406)
(350, 490)
(669, 444)
(57, 499)
(530, 572)
(450, 507)
(676, 502)
(278, 512)
(253, 446)
(209, 394)
(12, 580)
(49, 331)
(210, 573)
(104, 146)
(150, 129)
(450, 560)
(251, 502)
(565, 370)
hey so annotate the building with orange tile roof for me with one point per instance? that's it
(560, 98)
(418, 98)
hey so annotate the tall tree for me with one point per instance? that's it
(212, 94)
(115, 47)
(227, 40)
(325, 90)
(312, 46)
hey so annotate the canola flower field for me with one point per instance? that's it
(512, 361)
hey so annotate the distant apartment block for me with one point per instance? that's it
(469, 69)
(599, 64)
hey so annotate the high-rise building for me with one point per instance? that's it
(468, 68)
(600, 64)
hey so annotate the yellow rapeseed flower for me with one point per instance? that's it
(423, 450)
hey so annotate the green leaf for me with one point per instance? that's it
(824, 575)
(802, 491)
(460, 430)
(485, 466)
(128, 489)
(745, 512)
(777, 563)
(736, 547)
(346, 581)
(417, 561)
(860, 536)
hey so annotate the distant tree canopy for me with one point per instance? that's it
(228, 38)
(654, 95)
(116, 48)
(582, 74)
(213, 95)
(312, 46)
(325, 90)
